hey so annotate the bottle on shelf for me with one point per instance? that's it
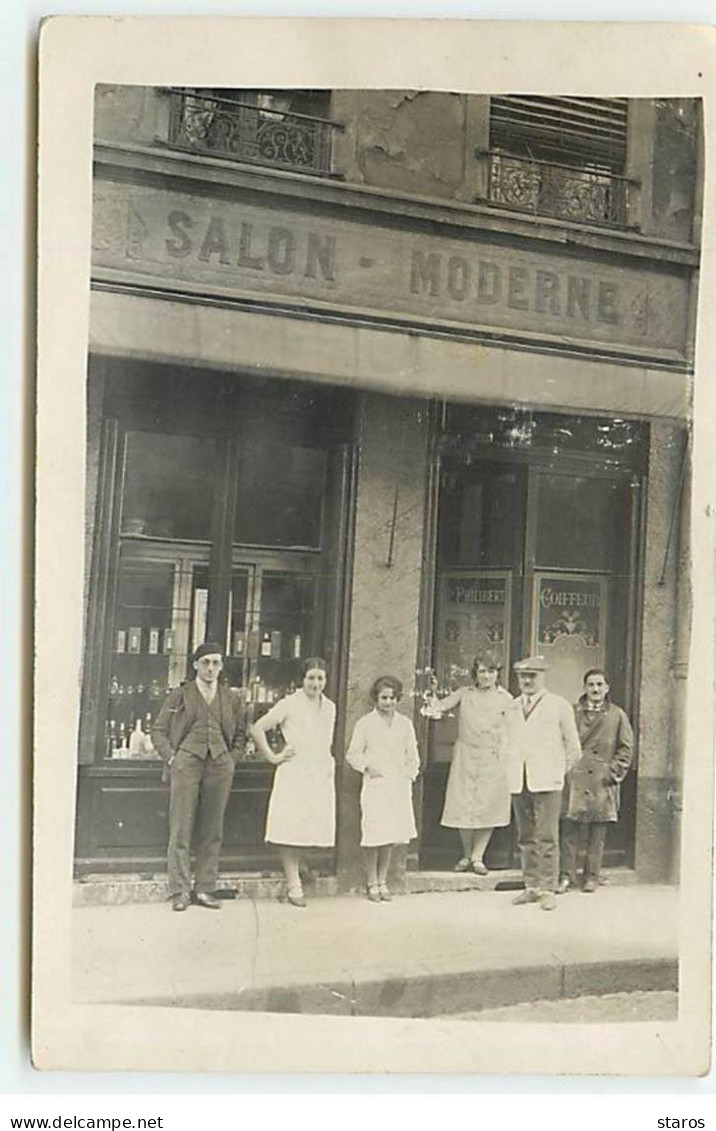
(123, 747)
(113, 687)
(112, 742)
(296, 650)
(266, 645)
(136, 740)
(153, 641)
(239, 643)
(134, 639)
(168, 643)
(149, 751)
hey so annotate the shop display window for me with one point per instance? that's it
(219, 537)
(169, 482)
(281, 493)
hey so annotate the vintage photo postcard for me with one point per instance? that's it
(375, 547)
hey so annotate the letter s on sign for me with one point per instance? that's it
(182, 245)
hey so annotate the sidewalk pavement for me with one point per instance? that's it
(423, 955)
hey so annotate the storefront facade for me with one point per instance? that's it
(360, 387)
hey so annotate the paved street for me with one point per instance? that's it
(637, 1006)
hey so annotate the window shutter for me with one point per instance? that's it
(583, 132)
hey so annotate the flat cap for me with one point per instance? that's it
(531, 664)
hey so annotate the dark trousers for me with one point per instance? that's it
(200, 789)
(538, 832)
(582, 841)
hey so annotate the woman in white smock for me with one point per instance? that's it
(385, 751)
(477, 798)
(301, 811)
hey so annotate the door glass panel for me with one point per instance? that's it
(473, 617)
(169, 485)
(280, 495)
(480, 516)
(142, 654)
(577, 524)
(568, 627)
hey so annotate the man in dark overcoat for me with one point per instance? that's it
(199, 732)
(591, 792)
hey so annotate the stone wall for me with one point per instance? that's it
(658, 787)
(393, 438)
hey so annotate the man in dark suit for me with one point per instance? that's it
(199, 733)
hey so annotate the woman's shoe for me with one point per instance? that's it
(479, 868)
(374, 893)
(295, 897)
(385, 893)
(463, 865)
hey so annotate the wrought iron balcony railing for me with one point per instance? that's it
(259, 135)
(566, 192)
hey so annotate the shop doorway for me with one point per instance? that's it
(537, 551)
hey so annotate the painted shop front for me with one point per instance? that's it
(327, 416)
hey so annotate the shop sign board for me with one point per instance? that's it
(216, 246)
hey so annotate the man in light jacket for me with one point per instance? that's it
(539, 744)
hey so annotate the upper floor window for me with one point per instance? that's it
(560, 157)
(288, 129)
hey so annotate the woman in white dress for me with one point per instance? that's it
(302, 806)
(477, 798)
(385, 751)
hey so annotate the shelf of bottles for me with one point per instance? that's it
(271, 626)
(162, 616)
(143, 657)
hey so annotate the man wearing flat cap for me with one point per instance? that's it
(540, 744)
(199, 733)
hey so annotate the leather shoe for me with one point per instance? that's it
(479, 868)
(203, 899)
(374, 893)
(589, 886)
(385, 893)
(463, 864)
(547, 901)
(526, 896)
(179, 903)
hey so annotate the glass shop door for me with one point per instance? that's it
(531, 558)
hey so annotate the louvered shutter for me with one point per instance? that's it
(585, 132)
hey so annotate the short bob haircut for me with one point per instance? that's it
(311, 663)
(488, 660)
(386, 681)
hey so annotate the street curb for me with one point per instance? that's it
(441, 994)
(112, 890)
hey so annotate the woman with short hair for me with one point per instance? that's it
(301, 811)
(384, 750)
(477, 798)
